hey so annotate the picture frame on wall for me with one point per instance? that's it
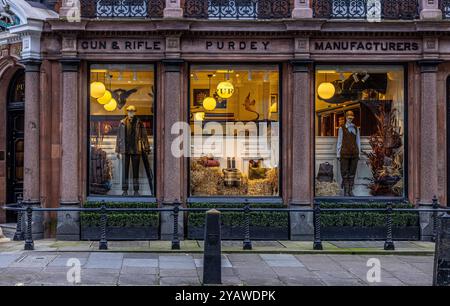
(199, 95)
(274, 103)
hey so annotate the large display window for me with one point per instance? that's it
(234, 120)
(360, 131)
(122, 120)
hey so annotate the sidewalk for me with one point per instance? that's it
(112, 269)
(259, 247)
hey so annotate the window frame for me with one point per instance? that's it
(233, 199)
(369, 199)
(120, 198)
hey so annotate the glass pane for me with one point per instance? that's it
(19, 157)
(18, 90)
(359, 131)
(234, 120)
(121, 130)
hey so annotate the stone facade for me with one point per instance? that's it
(57, 85)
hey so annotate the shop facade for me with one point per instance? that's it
(183, 108)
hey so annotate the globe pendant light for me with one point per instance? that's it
(209, 103)
(106, 98)
(111, 106)
(326, 90)
(98, 90)
(199, 116)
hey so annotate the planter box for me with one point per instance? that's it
(121, 233)
(369, 233)
(237, 233)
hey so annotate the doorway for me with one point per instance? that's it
(15, 141)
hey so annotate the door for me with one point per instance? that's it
(15, 142)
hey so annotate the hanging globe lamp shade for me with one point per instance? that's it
(326, 90)
(111, 106)
(209, 103)
(199, 116)
(97, 89)
(225, 89)
(106, 98)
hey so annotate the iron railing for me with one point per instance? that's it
(122, 8)
(366, 9)
(237, 9)
(444, 5)
(25, 214)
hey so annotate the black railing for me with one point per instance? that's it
(122, 8)
(366, 9)
(27, 214)
(237, 9)
(444, 5)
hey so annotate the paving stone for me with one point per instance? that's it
(73, 254)
(139, 270)
(176, 258)
(224, 262)
(177, 265)
(104, 261)
(181, 273)
(231, 281)
(300, 281)
(14, 276)
(7, 259)
(33, 261)
(139, 262)
(99, 276)
(293, 272)
(262, 281)
(244, 258)
(141, 255)
(179, 281)
(135, 279)
(62, 261)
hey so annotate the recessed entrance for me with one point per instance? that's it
(15, 141)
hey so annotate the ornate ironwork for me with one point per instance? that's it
(445, 8)
(237, 9)
(362, 9)
(122, 8)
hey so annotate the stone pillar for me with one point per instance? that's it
(428, 143)
(430, 10)
(302, 9)
(172, 165)
(173, 9)
(31, 183)
(302, 150)
(68, 227)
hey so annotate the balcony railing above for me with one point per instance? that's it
(122, 8)
(237, 9)
(445, 8)
(366, 9)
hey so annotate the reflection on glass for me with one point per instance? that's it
(234, 130)
(121, 130)
(359, 131)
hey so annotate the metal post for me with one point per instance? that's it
(441, 270)
(389, 243)
(247, 245)
(19, 235)
(212, 261)
(317, 224)
(29, 244)
(103, 244)
(435, 218)
(175, 238)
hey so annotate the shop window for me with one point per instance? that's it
(360, 131)
(122, 120)
(234, 120)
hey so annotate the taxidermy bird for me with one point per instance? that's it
(250, 106)
(121, 96)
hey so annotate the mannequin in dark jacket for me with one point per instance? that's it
(131, 145)
(348, 148)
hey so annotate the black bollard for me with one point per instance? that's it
(212, 267)
(441, 275)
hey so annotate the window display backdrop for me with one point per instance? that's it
(360, 131)
(121, 130)
(239, 106)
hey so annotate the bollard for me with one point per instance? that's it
(19, 235)
(389, 243)
(29, 244)
(103, 244)
(317, 237)
(435, 218)
(441, 275)
(212, 265)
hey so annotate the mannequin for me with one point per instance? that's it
(348, 149)
(132, 144)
